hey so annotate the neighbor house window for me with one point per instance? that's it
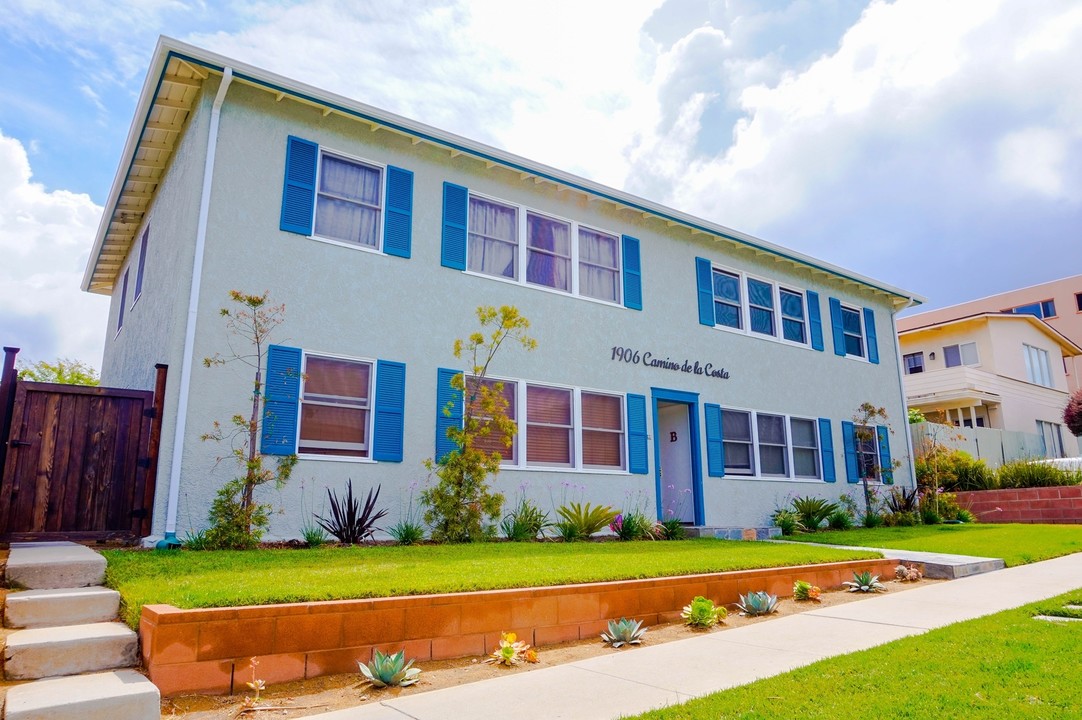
(349, 201)
(1043, 309)
(1078, 301)
(335, 405)
(728, 310)
(805, 447)
(853, 332)
(773, 452)
(739, 450)
(963, 354)
(1052, 437)
(914, 363)
(599, 265)
(1038, 366)
(549, 426)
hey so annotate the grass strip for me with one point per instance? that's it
(1006, 665)
(257, 577)
(1016, 544)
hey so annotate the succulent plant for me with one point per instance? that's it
(390, 670)
(907, 573)
(511, 651)
(758, 603)
(624, 632)
(703, 613)
(803, 590)
(864, 582)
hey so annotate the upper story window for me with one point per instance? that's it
(914, 363)
(141, 267)
(753, 305)
(558, 254)
(123, 301)
(1078, 301)
(349, 201)
(1038, 365)
(963, 354)
(853, 330)
(335, 407)
(1042, 309)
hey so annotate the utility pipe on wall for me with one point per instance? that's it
(170, 539)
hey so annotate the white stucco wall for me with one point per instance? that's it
(351, 302)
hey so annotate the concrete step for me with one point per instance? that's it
(63, 606)
(49, 652)
(119, 695)
(47, 565)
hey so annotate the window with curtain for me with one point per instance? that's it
(549, 426)
(335, 406)
(736, 431)
(349, 201)
(602, 431)
(773, 447)
(493, 238)
(853, 329)
(792, 316)
(495, 441)
(599, 265)
(727, 308)
(805, 447)
(548, 252)
(761, 306)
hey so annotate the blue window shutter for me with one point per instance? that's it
(281, 392)
(637, 459)
(715, 445)
(456, 203)
(632, 274)
(299, 190)
(886, 465)
(390, 407)
(447, 399)
(849, 442)
(826, 450)
(398, 226)
(837, 327)
(815, 320)
(704, 283)
(869, 331)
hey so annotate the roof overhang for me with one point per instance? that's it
(176, 75)
(1069, 348)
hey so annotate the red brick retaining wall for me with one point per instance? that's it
(208, 650)
(1031, 505)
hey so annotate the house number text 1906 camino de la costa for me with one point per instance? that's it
(647, 358)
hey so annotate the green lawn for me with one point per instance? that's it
(226, 578)
(1017, 544)
(1006, 665)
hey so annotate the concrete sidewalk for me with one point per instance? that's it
(636, 680)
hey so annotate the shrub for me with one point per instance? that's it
(349, 522)
(872, 520)
(703, 613)
(234, 524)
(965, 516)
(1072, 414)
(901, 519)
(634, 525)
(581, 521)
(788, 521)
(195, 540)
(314, 536)
(1029, 474)
(672, 529)
(407, 532)
(840, 519)
(525, 522)
(813, 511)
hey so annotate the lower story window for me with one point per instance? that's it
(335, 405)
(494, 440)
(1053, 439)
(805, 448)
(773, 455)
(867, 447)
(739, 454)
(549, 426)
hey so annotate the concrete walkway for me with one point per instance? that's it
(943, 566)
(636, 680)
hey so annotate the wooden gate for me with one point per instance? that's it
(80, 462)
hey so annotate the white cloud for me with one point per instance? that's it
(1033, 159)
(45, 238)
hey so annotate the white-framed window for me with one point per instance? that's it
(853, 331)
(335, 406)
(519, 244)
(914, 363)
(349, 200)
(496, 441)
(561, 427)
(758, 306)
(1038, 365)
(866, 441)
(1053, 438)
(962, 354)
(770, 445)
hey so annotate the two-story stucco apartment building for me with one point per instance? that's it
(680, 364)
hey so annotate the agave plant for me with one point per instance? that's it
(703, 613)
(804, 590)
(758, 603)
(511, 651)
(624, 632)
(864, 582)
(390, 670)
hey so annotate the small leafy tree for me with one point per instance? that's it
(864, 430)
(459, 503)
(237, 520)
(63, 371)
(1072, 414)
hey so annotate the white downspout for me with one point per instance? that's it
(170, 539)
(901, 384)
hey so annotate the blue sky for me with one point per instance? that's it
(935, 145)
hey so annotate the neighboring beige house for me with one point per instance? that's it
(1058, 303)
(990, 370)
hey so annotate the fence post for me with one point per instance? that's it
(7, 401)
